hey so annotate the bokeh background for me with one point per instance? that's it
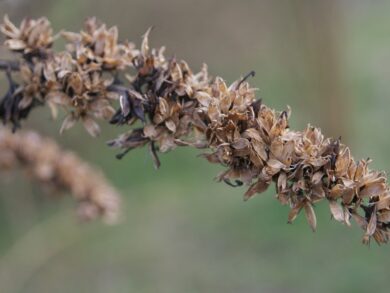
(183, 232)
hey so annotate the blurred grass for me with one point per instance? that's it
(183, 232)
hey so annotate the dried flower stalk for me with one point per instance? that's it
(59, 172)
(177, 107)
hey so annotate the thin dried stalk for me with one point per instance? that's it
(59, 171)
(180, 108)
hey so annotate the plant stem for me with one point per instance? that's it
(8, 64)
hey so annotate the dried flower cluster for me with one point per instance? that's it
(59, 172)
(177, 107)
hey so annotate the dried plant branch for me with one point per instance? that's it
(59, 171)
(9, 65)
(177, 107)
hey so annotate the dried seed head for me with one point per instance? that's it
(61, 172)
(32, 36)
(177, 107)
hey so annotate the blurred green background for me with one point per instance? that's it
(183, 232)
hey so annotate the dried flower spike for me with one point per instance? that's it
(176, 107)
(60, 172)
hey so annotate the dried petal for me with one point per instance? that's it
(125, 105)
(384, 217)
(91, 126)
(311, 216)
(258, 187)
(295, 211)
(68, 123)
(336, 210)
(371, 227)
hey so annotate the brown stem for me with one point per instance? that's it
(8, 64)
